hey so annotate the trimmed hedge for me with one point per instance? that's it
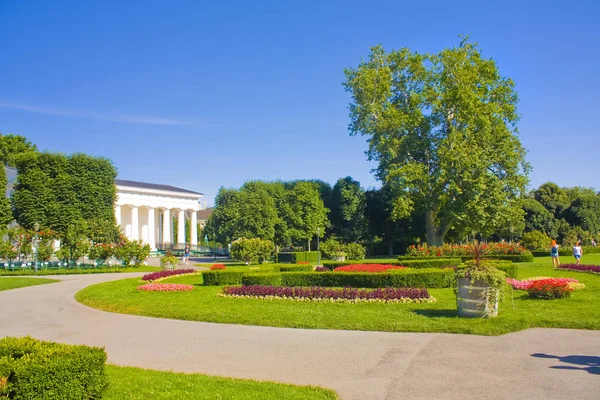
(222, 278)
(566, 251)
(294, 268)
(47, 370)
(511, 270)
(414, 263)
(297, 256)
(430, 278)
(262, 279)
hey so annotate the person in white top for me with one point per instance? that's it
(577, 252)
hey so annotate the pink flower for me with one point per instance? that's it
(165, 287)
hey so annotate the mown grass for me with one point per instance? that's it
(143, 384)
(517, 310)
(75, 271)
(15, 283)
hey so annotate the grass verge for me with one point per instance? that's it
(15, 283)
(517, 310)
(75, 271)
(136, 383)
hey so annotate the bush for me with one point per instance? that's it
(408, 263)
(221, 278)
(305, 256)
(511, 270)
(33, 369)
(262, 279)
(535, 240)
(133, 251)
(293, 268)
(355, 251)
(430, 278)
(251, 250)
(464, 250)
(332, 249)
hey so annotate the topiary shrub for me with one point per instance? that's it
(262, 279)
(305, 256)
(33, 369)
(252, 250)
(221, 278)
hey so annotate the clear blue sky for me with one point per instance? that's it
(207, 94)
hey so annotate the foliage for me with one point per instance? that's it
(347, 217)
(355, 251)
(332, 249)
(220, 278)
(74, 244)
(251, 250)
(535, 240)
(552, 197)
(6, 216)
(538, 218)
(549, 289)
(584, 212)
(481, 270)
(367, 268)
(169, 261)
(165, 287)
(13, 145)
(103, 251)
(155, 276)
(460, 250)
(59, 191)
(264, 279)
(305, 256)
(308, 213)
(134, 251)
(443, 129)
(346, 295)
(293, 268)
(32, 369)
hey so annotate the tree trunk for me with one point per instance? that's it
(435, 234)
(391, 247)
(308, 244)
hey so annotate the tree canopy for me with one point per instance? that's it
(442, 128)
(348, 203)
(13, 145)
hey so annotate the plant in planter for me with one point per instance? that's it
(479, 286)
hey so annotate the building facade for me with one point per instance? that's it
(147, 211)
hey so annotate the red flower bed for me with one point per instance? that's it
(217, 267)
(165, 287)
(166, 274)
(549, 289)
(367, 268)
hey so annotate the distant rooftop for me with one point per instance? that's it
(204, 214)
(154, 186)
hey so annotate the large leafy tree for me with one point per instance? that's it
(538, 218)
(308, 213)
(442, 128)
(13, 145)
(584, 212)
(551, 196)
(348, 203)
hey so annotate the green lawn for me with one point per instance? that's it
(14, 283)
(75, 271)
(517, 310)
(136, 383)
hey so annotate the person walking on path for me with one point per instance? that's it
(186, 255)
(554, 254)
(577, 252)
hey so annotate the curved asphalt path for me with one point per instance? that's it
(358, 365)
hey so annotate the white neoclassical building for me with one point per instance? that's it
(145, 211)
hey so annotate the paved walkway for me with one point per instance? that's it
(358, 365)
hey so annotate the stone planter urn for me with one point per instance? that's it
(476, 299)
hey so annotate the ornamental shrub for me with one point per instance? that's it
(355, 251)
(33, 369)
(135, 251)
(221, 278)
(332, 249)
(536, 240)
(262, 279)
(252, 250)
(463, 250)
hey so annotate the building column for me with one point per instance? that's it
(194, 229)
(151, 229)
(167, 226)
(135, 225)
(118, 215)
(181, 228)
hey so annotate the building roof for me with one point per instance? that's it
(154, 186)
(204, 214)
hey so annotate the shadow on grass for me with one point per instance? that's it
(437, 313)
(590, 364)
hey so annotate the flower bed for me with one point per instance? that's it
(593, 269)
(160, 275)
(165, 287)
(526, 283)
(463, 250)
(367, 268)
(322, 269)
(323, 294)
(549, 289)
(217, 267)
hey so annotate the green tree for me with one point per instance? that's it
(442, 128)
(551, 196)
(538, 218)
(6, 216)
(578, 191)
(536, 240)
(308, 212)
(584, 212)
(13, 145)
(347, 216)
